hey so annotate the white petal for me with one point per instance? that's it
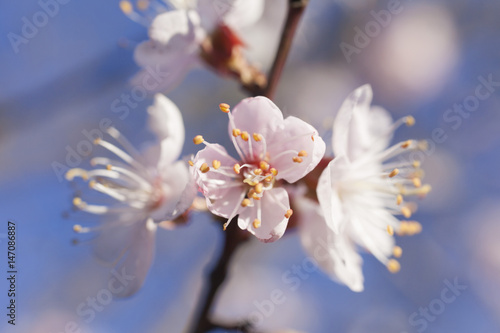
(165, 120)
(235, 13)
(178, 28)
(328, 195)
(335, 254)
(138, 258)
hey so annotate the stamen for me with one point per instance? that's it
(409, 121)
(142, 4)
(126, 7)
(393, 266)
(399, 199)
(390, 230)
(246, 202)
(76, 172)
(302, 153)
(257, 172)
(259, 188)
(224, 107)
(204, 168)
(274, 172)
(190, 163)
(198, 139)
(406, 211)
(416, 164)
(288, 213)
(236, 132)
(264, 165)
(397, 251)
(236, 168)
(256, 223)
(257, 137)
(297, 159)
(394, 173)
(216, 164)
(77, 228)
(409, 228)
(245, 136)
(417, 182)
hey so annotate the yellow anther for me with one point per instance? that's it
(126, 7)
(77, 201)
(109, 167)
(245, 136)
(259, 188)
(423, 145)
(303, 153)
(288, 213)
(394, 173)
(257, 172)
(255, 196)
(397, 251)
(250, 182)
(224, 227)
(416, 164)
(409, 228)
(257, 137)
(224, 107)
(406, 211)
(393, 266)
(256, 223)
(236, 168)
(274, 172)
(92, 183)
(399, 199)
(204, 168)
(77, 228)
(264, 165)
(198, 139)
(312, 137)
(97, 141)
(417, 182)
(409, 121)
(216, 164)
(406, 144)
(143, 4)
(236, 132)
(246, 202)
(390, 230)
(268, 179)
(297, 159)
(190, 163)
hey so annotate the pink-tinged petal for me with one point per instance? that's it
(179, 192)
(134, 265)
(328, 194)
(165, 120)
(223, 192)
(256, 115)
(296, 136)
(273, 220)
(335, 254)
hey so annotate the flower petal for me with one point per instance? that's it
(335, 254)
(296, 135)
(328, 195)
(273, 220)
(235, 13)
(165, 120)
(138, 258)
(223, 192)
(178, 29)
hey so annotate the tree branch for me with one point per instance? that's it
(295, 10)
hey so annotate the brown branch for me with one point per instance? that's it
(295, 10)
(233, 238)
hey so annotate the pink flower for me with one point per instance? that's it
(271, 150)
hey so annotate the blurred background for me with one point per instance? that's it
(427, 59)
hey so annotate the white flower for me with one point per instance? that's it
(192, 33)
(363, 188)
(145, 190)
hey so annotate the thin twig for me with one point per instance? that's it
(295, 10)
